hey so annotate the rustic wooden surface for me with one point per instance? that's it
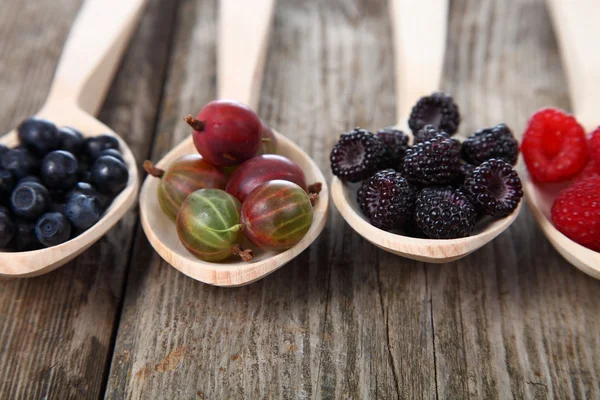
(343, 320)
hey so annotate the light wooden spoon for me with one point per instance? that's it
(419, 55)
(90, 57)
(575, 23)
(242, 49)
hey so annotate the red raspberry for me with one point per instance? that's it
(592, 168)
(576, 212)
(554, 146)
(595, 145)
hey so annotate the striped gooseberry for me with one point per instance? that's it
(277, 215)
(208, 225)
(183, 177)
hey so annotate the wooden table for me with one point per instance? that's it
(344, 320)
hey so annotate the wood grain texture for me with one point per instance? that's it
(56, 331)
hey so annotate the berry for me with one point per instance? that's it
(24, 238)
(438, 110)
(357, 155)
(592, 168)
(261, 169)
(396, 144)
(595, 145)
(276, 215)
(70, 139)
(387, 199)
(109, 175)
(426, 133)
(496, 142)
(83, 211)
(464, 171)
(52, 229)
(59, 170)
(226, 132)
(208, 225)
(29, 200)
(444, 213)
(184, 176)
(576, 212)
(7, 184)
(3, 149)
(7, 228)
(94, 146)
(554, 146)
(434, 162)
(88, 190)
(495, 187)
(113, 153)
(20, 162)
(30, 178)
(38, 135)
(268, 144)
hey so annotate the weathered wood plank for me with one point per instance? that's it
(56, 331)
(514, 320)
(326, 325)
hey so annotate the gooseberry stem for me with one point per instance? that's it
(266, 139)
(245, 255)
(313, 198)
(315, 188)
(196, 124)
(152, 170)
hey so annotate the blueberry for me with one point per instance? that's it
(59, 170)
(3, 149)
(24, 236)
(114, 153)
(89, 190)
(93, 146)
(38, 135)
(7, 184)
(29, 200)
(52, 228)
(30, 178)
(70, 139)
(83, 211)
(57, 207)
(20, 162)
(109, 175)
(7, 228)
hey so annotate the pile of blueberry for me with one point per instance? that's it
(55, 184)
(437, 188)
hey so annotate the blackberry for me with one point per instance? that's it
(387, 199)
(357, 155)
(434, 162)
(396, 144)
(496, 142)
(444, 213)
(438, 110)
(495, 187)
(426, 133)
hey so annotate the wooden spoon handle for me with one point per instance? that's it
(242, 48)
(92, 52)
(576, 25)
(419, 29)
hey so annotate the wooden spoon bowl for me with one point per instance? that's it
(89, 60)
(162, 234)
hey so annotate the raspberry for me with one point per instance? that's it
(396, 142)
(464, 171)
(576, 212)
(595, 145)
(495, 187)
(357, 155)
(591, 169)
(426, 133)
(444, 213)
(438, 110)
(497, 142)
(387, 199)
(554, 146)
(434, 162)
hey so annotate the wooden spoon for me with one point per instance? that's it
(575, 23)
(242, 49)
(88, 62)
(419, 56)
